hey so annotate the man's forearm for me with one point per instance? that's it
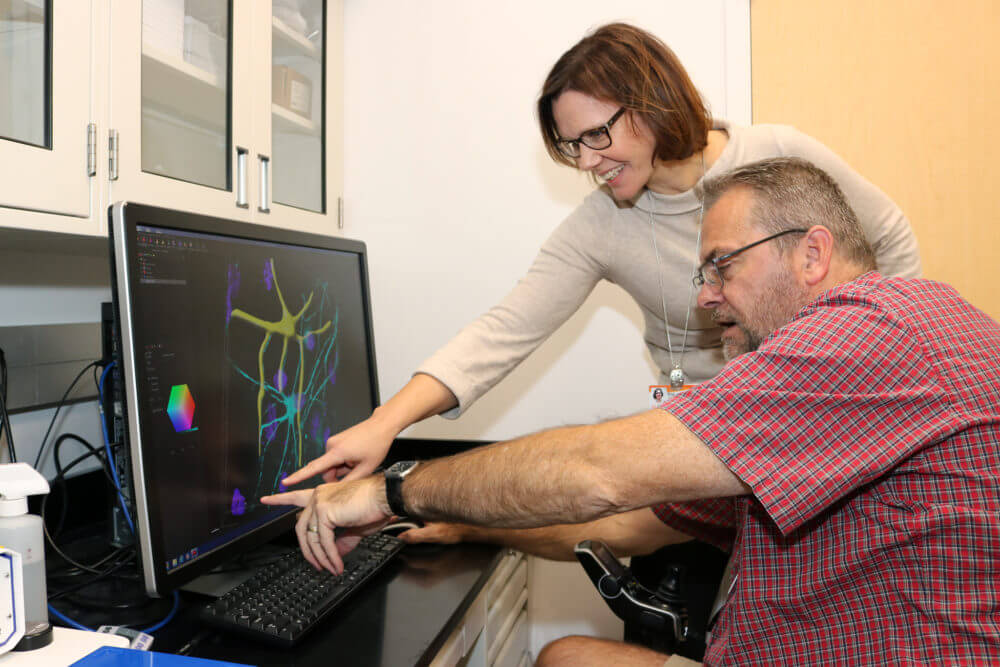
(570, 475)
(633, 533)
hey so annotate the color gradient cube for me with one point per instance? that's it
(180, 408)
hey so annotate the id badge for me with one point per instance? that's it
(660, 394)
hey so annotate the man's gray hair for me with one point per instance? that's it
(791, 193)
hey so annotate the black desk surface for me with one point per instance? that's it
(402, 617)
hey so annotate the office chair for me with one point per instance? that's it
(664, 598)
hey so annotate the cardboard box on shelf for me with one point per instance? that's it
(291, 90)
(203, 48)
(163, 26)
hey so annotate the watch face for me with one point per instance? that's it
(400, 467)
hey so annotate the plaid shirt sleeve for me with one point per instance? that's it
(827, 404)
(713, 520)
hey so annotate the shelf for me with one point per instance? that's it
(286, 120)
(26, 11)
(194, 94)
(289, 42)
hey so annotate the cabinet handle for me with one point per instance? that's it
(241, 177)
(265, 188)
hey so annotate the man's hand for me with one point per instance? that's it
(334, 517)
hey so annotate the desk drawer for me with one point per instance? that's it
(452, 651)
(513, 650)
(510, 601)
(464, 637)
(494, 587)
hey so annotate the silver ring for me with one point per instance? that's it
(313, 528)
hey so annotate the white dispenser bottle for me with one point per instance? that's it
(22, 532)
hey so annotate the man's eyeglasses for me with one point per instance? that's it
(711, 271)
(598, 138)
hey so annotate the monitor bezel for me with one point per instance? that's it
(123, 219)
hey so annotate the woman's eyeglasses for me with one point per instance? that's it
(598, 138)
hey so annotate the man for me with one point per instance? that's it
(848, 455)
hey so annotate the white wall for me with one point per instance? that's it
(57, 287)
(447, 181)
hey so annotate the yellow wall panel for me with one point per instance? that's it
(908, 92)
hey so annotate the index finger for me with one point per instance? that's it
(314, 467)
(300, 498)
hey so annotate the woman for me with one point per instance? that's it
(620, 106)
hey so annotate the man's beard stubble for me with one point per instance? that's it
(775, 307)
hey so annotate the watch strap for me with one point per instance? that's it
(394, 476)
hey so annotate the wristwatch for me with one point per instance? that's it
(394, 476)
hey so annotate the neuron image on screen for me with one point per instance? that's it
(249, 355)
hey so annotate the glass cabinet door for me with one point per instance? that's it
(45, 105)
(25, 113)
(186, 132)
(179, 105)
(298, 92)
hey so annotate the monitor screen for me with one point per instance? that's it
(243, 348)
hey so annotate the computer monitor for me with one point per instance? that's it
(243, 348)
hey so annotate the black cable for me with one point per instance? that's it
(62, 401)
(61, 472)
(110, 570)
(104, 604)
(4, 417)
(116, 557)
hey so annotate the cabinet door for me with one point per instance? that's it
(180, 104)
(299, 115)
(45, 105)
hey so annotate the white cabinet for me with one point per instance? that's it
(227, 108)
(46, 105)
(494, 631)
(223, 108)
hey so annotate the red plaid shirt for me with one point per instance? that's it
(869, 431)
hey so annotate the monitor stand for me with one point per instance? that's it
(234, 572)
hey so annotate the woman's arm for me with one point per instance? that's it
(568, 266)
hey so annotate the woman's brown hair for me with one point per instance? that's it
(624, 65)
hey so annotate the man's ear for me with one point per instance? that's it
(816, 250)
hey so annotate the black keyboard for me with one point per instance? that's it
(283, 601)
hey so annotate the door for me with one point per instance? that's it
(45, 105)
(180, 109)
(300, 114)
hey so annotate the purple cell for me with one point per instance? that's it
(310, 342)
(281, 485)
(326, 434)
(280, 380)
(268, 275)
(239, 504)
(271, 428)
(232, 288)
(314, 426)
